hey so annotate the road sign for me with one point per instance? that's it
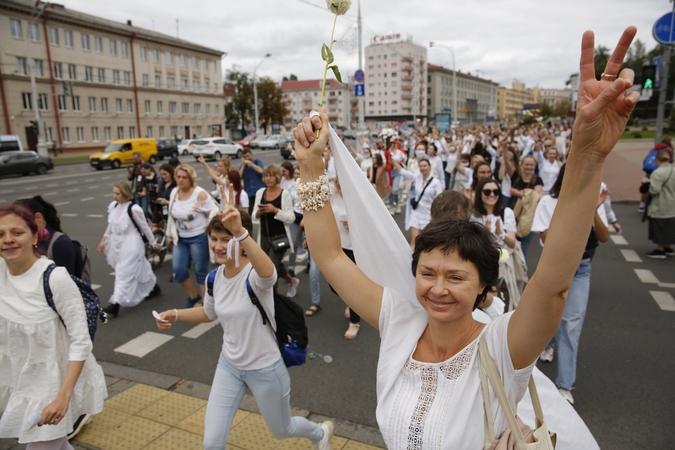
(359, 76)
(359, 90)
(663, 29)
(656, 61)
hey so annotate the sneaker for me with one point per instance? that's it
(191, 302)
(669, 251)
(112, 309)
(641, 209)
(546, 355)
(657, 254)
(79, 424)
(324, 443)
(293, 288)
(567, 395)
(301, 256)
(154, 292)
(398, 210)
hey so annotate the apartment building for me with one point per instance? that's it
(510, 102)
(396, 79)
(302, 96)
(553, 96)
(476, 97)
(99, 80)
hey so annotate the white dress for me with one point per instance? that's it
(35, 348)
(420, 217)
(125, 253)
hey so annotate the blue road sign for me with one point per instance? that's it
(359, 90)
(663, 29)
(359, 76)
(657, 62)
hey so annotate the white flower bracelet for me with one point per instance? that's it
(313, 194)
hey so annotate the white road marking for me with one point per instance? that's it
(49, 194)
(86, 199)
(68, 215)
(667, 285)
(195, 332)
(108, 195)
(7, 191)
(88, 180)
(93, 187)
(73, 190)
(30, 188)
(61, 203)
(52, 185)
(646, 276)
(664, 300)
(112, 274)
(618, 240)
(105, 178)
(630, 255)
(95, 286)
(144, 344)
(95, 216)
(72, 182)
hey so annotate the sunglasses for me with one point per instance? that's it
(488, 192)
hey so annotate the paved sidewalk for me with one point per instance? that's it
(623, 169)
(150, 411)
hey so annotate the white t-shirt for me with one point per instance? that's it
(544, 213)
(437, 169)
(337, 203)
(247, 343)
(508, 223)
(191, 215)
(427, 405)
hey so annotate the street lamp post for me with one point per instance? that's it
(455, 112)
(32, 69)
(255, 94)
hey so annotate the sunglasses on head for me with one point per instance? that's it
(494, 192)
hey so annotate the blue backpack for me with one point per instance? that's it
(649, 164)
(92, 304)
(291, 333)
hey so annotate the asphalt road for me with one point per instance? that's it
(625, 390)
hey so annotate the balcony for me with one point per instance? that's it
(406, 108)
(307, 99)
(406, 96)
(422, 61)
(406, 87)
(407, 78)
(407, 58)
(421, 98)
(421, 88)
(355, 108)
(354, 99)
(407, 68)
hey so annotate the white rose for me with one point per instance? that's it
(339, 7)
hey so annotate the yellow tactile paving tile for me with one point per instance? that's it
(176, 439)
(136, 398)
(337, 443)
(101, 423)
(194, 423)
(252, 434)
(172, 408)
(353, 445)
(134, 433)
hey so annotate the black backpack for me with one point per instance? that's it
(82, 261)
(131, 217)
(291, 333)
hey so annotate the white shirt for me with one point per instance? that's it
(544, 213)
(437, 168)
(191, 222)
(247, 343)
(337, 203)
(508, 223)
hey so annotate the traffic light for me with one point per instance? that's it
(648, 76)
(34, 127)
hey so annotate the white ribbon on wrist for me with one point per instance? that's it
(233, 247)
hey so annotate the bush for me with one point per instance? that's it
(637, 135)
(644, 128)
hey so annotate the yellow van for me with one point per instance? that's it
(122, 151)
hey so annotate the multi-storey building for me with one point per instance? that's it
(553, 96)
(302, 96)
(396, 80)
(99, 80)
(476, 97)
(510, 102)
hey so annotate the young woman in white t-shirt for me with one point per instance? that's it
(250, 357)
(489, 210)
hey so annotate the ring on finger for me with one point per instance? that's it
(608, 77)
(313, 114)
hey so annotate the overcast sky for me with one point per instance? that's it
(534, 41)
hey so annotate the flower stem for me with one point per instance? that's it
(325, 70)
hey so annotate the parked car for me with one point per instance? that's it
(166, 148)
(122, 151)
(24, 163)
(215, 147)
(185, 146)
(255, 143)
(274, 141)
(246, 142)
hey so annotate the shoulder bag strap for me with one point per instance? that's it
(425, 188)
(49, 296)
(255, 301)
(55, 236)
(131, 217)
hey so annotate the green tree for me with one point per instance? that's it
(600, 60)
(290, 78)
(240, 105)
(272, 106)
(562, 108)
(545, 109)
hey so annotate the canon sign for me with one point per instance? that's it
(387, 37)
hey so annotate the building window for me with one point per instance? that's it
(116, 77)
(132, 132)
(195, 62)
(53, 36)
(94, 134)
(98, 44)
(161, 132)
(80, 134)
(148, 132)
(195, 86)
(68, 38)
(174, 131)
(144, 54)
(124, 47)
(43, 104)
(206, 65)
(130, 106)
(101, 75)
(215, 88)
(92, 104)
(198, 109)
(72, 72)
(185, 108)
(147, 106)
(39, 71)
(15, 25)
(118, 105)
(104, 104)
(170, 83)
(208, 110)
(113, 47)
(146, 81)
(65, 134)
(155, 55)
(215, 66)
(76, 102)
(127, 78)
(34, 32)
(168, 57)
(85, 42)
(120, 132)
(158, 81)
(160, 107)
(206, 87)
(172, 107)
(216, 110)
(199, 130)
(89, 74)
(27, 103)
(106, 134)
(181, 60)
(22, 67)
(62, 102)
(183, 84)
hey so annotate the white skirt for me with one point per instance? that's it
(134, 278)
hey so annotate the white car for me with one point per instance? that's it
(274, 141)
(185, 147)
(215, 147)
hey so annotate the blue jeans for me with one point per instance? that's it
(395, 185)
(297, 235)
(525, 243)
(193, 250)
(271, 387)
(144, 203)
(569, 331)
(314, 281)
